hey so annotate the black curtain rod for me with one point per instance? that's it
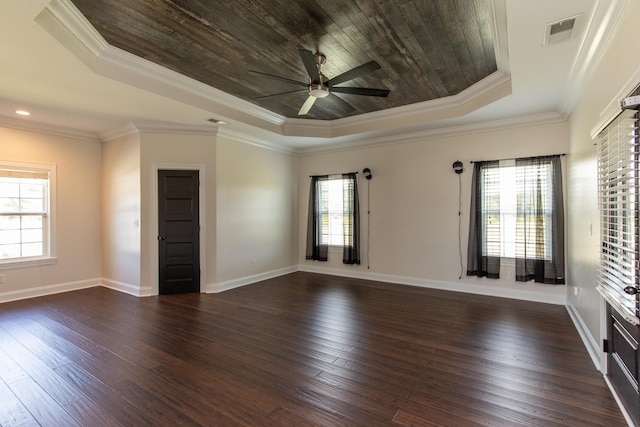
(518, 158)
(333, 174)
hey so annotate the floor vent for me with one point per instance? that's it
(560, 31)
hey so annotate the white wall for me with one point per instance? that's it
(414, 207)
(121, 213)
(617, 69)
(256, 222)
(78, 215)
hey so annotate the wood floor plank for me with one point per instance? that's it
(87, 413)
(35, 368)
(12, 411)
(45, 410)
(300, 349)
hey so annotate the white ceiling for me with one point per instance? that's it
(54, 65)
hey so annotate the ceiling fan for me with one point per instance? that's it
(319, 86)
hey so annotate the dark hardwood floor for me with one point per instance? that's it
(299, 350)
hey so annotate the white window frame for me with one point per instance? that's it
(50, 224)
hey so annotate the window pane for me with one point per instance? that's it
(32, 190)
(9, 236)
(9, 189)
(31, 205)
(32, 221)
(31, 235)
(9, 222)
(9, 251)
(32, 249)
(9, 204)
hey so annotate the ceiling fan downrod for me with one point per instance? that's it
(319, 89)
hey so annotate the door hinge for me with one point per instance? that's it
(605, 346)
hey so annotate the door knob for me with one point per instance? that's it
(631, 290)
(162, 237)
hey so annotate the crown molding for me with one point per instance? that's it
(613, 108)
(490, 89)
(255, 141)
(48, 129)
(438, 133)
(143, 126)
(608, 14)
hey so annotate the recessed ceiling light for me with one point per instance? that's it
(23, 112)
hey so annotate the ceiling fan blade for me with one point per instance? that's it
(281, 93)
(309, 61)
(354, 73)
(307, 105)
(361, 91)
(284, 79)
(341, 103)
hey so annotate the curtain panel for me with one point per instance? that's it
(351, 219)
(540, 244)
(315, 249)
(479, 263)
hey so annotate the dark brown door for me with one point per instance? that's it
(624, 361)
(178, 231)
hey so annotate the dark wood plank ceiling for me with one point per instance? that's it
(427, 49)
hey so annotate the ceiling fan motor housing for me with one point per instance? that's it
(319, 89)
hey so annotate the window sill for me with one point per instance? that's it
(25, 263)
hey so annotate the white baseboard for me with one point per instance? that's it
(48, 290)
(247, 280)
(587, 338)
(461, 286)
(126, 288)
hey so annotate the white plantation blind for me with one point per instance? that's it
(618, 195)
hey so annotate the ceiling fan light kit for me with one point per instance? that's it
(319, 86)
(318, 90)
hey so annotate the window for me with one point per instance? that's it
(335, 212)
(517, 213)
(618, 188)
(333, 217)
(26, 194)
(513, 232)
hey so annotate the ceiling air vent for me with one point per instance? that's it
(560, 31)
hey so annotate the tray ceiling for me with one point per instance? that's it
(427, 49)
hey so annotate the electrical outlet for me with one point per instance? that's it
(576, 291)
(1, 278)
